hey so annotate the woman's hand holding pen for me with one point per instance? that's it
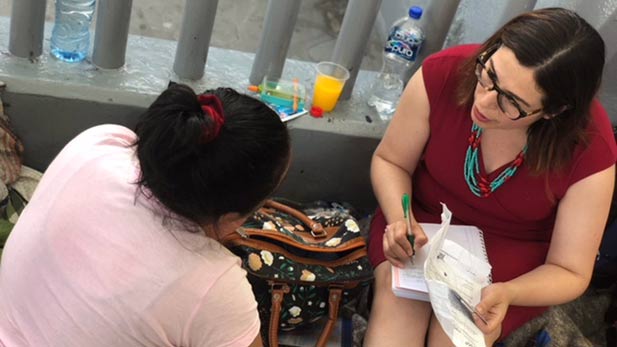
(492, 307)
(396, 245)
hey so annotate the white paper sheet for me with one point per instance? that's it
(451, 269)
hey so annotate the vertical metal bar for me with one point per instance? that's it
(608, 92)
(279, 23)
(513, 8)
(352, 39)
(111, 34)
(27, 25)
(437, 19)
(602, 15)
(195, 34)
(608, 31)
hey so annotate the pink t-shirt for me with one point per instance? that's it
(90, 263)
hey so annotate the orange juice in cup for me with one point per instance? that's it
(329, 84)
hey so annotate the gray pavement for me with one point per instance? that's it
(239, 24)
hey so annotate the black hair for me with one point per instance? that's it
(201, 178)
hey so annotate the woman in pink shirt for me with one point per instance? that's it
(118, 246)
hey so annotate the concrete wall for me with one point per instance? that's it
(45, 124)
(49, 102)
(325, 165)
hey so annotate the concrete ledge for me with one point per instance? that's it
(148, 69)
(49, 102)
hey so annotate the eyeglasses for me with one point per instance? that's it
(487, 79)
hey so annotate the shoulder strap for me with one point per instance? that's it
(334, 299)
(317, 229)
(278, 291)
(335, 294)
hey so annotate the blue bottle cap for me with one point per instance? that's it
(415, 12)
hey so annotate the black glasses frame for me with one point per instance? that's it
(481, 62)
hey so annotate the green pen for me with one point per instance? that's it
(407, 214)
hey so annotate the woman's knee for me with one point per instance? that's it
(437, 337)
(384, 298)
(383, 276)
(395, 321)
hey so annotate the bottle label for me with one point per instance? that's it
(404, 44)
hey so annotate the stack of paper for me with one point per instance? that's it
(455, 268)
(409, 282)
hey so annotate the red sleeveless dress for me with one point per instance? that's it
(517, 219)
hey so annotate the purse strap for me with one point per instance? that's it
(334, 300)
(279, 290)
(317, 230)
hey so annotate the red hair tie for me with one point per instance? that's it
(211, 105)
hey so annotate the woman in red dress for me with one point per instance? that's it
(509, 136)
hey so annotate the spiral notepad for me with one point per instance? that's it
(408, 282)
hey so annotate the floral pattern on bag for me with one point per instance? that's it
(289, 225)
(272, 265)
(303, 305)
(277, 248)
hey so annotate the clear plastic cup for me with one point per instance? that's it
(329, 84)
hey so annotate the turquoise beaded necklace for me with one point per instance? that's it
(479, 184)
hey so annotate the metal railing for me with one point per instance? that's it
(113, 16)
(111, 33)
(27, 26)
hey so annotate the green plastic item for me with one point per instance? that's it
(283, 93)
(406, 202)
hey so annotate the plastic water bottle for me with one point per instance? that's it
(400, 52)
(70, 37)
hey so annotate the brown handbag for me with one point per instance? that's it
(303, 263)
